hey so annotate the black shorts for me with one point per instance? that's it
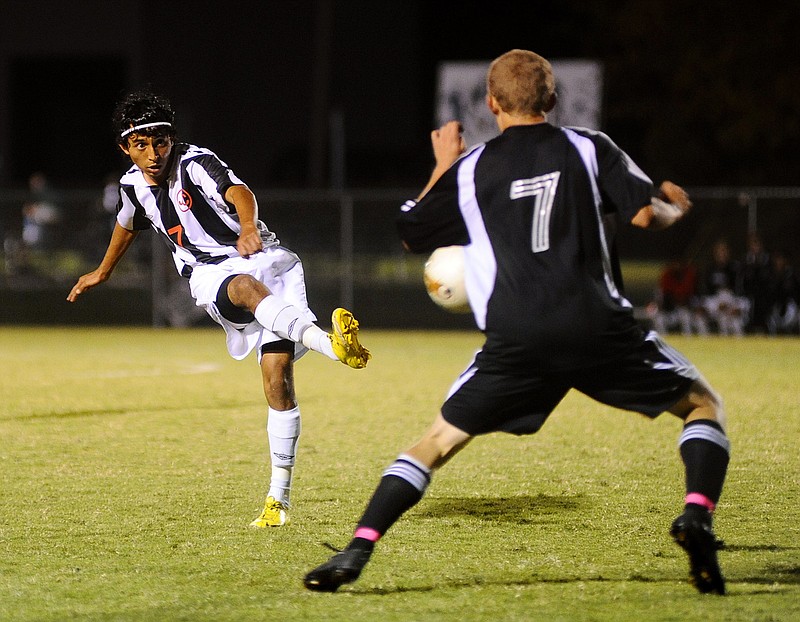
(649, 380)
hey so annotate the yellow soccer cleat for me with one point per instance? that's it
(275, 514)
(344, 338)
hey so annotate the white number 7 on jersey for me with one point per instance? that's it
(543, 191)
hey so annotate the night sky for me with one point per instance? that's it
(703, 93)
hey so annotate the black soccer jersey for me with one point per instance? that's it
(189, 209)
(529, 207)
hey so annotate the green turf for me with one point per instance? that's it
(131, 462)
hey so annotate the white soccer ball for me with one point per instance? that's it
(444, 279)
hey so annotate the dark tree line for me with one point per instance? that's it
(705, 92)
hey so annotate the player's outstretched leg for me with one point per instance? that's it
(344, 567)
(290, 322)
(344, 339)
(692, 531)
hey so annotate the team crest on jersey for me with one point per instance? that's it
(184, 201)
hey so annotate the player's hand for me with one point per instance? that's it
(448, 143)
(87, 281)
(249, 242)
(673, 193)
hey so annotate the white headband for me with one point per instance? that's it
(142, 127)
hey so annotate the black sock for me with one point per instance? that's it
(705, 452)
(393, 497)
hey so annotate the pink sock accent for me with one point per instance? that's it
(367, 534)
(697, 498)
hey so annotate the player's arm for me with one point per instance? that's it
(448, 145)
(244, 201)
(665, 210)
(121, 239)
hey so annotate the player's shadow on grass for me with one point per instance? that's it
(771, 574)
(483, 582)
(519, 509)
(68, 414)
(539, 509)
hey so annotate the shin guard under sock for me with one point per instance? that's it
(403, 484)
(705, 451)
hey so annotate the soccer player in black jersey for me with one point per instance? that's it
(530, 208)
(237, 270)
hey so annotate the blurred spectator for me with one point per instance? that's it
(724, 303)
(110, 199)
(40, 214)
(783, 316)
(755, 275)
(103, 218)
(677, 305)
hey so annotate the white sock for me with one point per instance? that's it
(314, 338)
(280, 484)
(283, 430)
(290, 322)
(282, 318)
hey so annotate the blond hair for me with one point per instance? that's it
(522, 82)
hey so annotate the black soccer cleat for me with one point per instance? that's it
(344, 567)
(695, 536)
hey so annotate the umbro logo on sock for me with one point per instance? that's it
(283, 456)
(291, 327)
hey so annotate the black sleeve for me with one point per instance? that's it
(624, 187)
(436, 219)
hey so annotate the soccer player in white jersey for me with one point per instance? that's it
(237, 270)
(530, 209)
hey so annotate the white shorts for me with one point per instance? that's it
(278, 268)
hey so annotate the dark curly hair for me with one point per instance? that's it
(143, 107)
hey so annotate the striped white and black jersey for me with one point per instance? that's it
(189, 210)
(541, 271)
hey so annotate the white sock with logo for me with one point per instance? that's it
(290, 322)
(283, 430)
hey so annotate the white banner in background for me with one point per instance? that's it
(461, 95)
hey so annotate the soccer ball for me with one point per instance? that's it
(444, 279)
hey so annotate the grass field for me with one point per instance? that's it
(132, 461)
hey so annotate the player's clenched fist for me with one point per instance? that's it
(448, 143)
(676, 195)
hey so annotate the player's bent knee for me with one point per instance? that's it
(719, 410)
(246, 291)
(440, 443)
(710, 398)
(702, 402)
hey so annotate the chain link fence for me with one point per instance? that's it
(349, 247)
